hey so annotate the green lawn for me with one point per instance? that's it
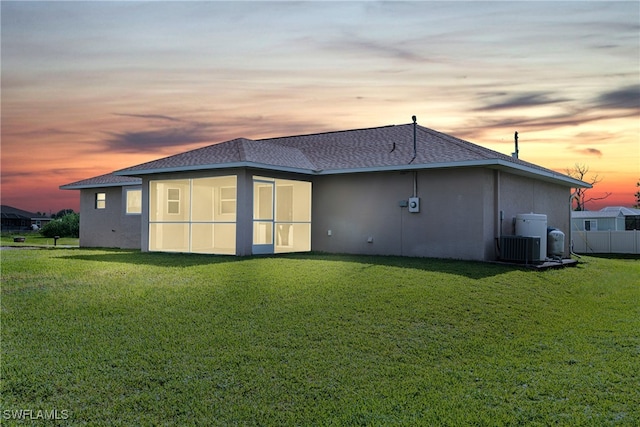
(35, 239)
(121, 338)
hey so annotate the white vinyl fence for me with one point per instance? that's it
(606, 242)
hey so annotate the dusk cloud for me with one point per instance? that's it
(590, 152)
(38, 132)
(481, 127)
(151, 116)
(154, 139)
(165, 137)
(361, 47)
(624, 98)
(520, 101)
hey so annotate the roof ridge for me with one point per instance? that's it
(274, 145)
(324, 133)
(190, 152)
(240, 147)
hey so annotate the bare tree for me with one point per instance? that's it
(579, 171)
(637, 195)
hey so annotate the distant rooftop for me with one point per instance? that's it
(608, 212)
(9, 212)
(623, 210)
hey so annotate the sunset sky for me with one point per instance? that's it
(92, 87)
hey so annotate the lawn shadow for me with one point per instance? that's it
(158, 259)
(469, 269)
(613, 256)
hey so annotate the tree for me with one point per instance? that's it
(580, 171)
(637, 205)
(62, 213)
(67, 226)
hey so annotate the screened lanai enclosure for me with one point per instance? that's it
(281, 215)
(200, 215)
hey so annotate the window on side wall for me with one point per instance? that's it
(134, 202)
(590, 225)
(101, 200)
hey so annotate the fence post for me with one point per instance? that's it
(586, 242)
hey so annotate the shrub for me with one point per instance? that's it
(67, 226)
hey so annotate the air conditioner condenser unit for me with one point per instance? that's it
(520, 249)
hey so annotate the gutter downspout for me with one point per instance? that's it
(499, 215)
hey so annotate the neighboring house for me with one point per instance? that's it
(393, 190)
(614, 218)
(14, 219)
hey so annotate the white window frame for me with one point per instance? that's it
(225, 202)
(172, 203)
(126, 201)
(101, 200)
(593, 224)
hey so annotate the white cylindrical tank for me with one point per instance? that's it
(555, 243)
(533, 225)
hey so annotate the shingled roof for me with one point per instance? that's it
(382, 148)
(359, 150)
(107, 180)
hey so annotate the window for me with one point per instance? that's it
(227, 200)
(134, 202)
(173, 201)
(101, 200)
(590, 225)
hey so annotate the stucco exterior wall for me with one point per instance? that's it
(522, 195)
(451, 222)
(110, 227)
(366, 213)
(459, 216)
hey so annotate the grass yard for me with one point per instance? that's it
(122, 338)
(32, 238)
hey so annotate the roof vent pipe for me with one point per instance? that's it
(414, 138)
(515, 153)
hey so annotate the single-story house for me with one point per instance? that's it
(393, 190)
(14, 219)
(614, 218)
